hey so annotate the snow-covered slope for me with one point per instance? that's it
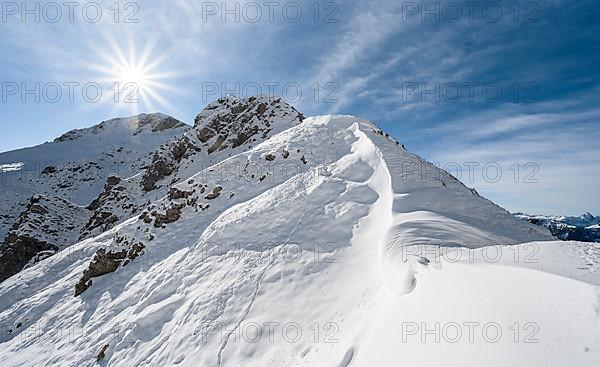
(584, 228)
(75, 166)
(325, 244)
(70, 172)
(224, 128)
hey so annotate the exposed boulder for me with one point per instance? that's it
(105, 262)
(171, 215)
(175, 194)
(215, 193)
(17, 253)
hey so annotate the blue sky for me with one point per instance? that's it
(494, 87)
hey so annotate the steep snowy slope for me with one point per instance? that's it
(69, 173)
(224, 128)
(75, 166)
(316, 247)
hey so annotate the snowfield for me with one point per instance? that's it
(327, 244)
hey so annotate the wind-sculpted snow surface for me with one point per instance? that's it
(327, 244)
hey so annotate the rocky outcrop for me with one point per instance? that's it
(102, 220)
(165, 161)
(215, 193)
(105, 262)
(239, 121)
(228, 123)
(17, 253)
(47, 225)
(171, 215)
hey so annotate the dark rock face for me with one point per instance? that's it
(175, 193)
(215, 193)
(227, 123)
(101, 219)
(113, 181)
(171, 215)
(18, 251)
(49, 170)
(46, 225)
(105, 262)
(205, 134)
(217, 144)
(102, 353)
(165, 161)
(237, 121)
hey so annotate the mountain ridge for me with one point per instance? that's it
(66, 175)
(326, 224)
(585, 228)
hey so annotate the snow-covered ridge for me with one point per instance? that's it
(324, 224)
(222, 129)
(68, 174)
(134, 125)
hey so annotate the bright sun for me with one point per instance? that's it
(135, 81)
(132, 74)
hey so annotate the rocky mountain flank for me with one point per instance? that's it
(49, 192)
(224, 128)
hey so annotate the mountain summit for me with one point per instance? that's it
(263, 238)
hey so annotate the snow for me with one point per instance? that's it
(11, 167)
(585, 220)
(333, 262)
(83, 159)
(581, 228)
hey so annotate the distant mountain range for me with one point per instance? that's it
(585, 228)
